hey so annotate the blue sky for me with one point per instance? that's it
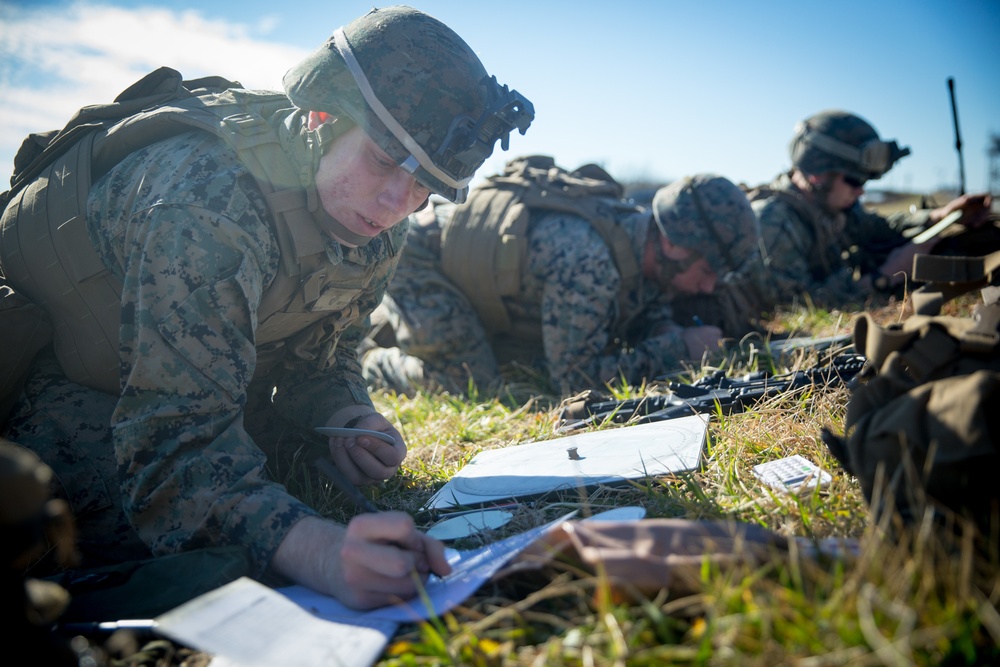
(650, 89)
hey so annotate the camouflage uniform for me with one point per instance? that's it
(575, 330)
(186, 229)
(833, 257)
(239, 317)
(574, 318)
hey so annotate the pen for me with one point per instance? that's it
(107, 627)
(335, 475)
(697, 321)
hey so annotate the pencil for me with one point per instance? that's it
(339, 479)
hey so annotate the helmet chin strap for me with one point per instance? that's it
(329, 130)
(340, 231)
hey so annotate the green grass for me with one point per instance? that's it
(906, 599)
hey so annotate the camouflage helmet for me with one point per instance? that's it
(709, 214)
(417, 90)
(842, 142)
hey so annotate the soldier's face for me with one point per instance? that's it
(844, 191)
(360, 186)
(698, 278)
(676, 269)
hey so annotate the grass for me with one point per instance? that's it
(919, 596)
(900, 597)
(906, 598)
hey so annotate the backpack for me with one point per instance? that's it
(24, 329)
(922, 429)
(53, 174)
(491, 227)
(24, 325)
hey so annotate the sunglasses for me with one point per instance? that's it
(855, 182)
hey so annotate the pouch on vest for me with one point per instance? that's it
(484, 243)
(922, 428)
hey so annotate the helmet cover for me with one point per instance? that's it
(418, 91)
(838, 141)
(709, 214)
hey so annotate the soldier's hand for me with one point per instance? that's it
(377, 559)
(701, 339)
(366, 459)
(975, 210)
(899, 264)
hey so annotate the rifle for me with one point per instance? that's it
(715, 393)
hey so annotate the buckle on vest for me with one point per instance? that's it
(246, 124)
(984, 336)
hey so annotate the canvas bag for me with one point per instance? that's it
(25, 328)
(923, 423)
(650, 555)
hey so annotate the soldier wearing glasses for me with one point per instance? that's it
(817, 238)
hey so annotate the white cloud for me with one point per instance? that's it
(54, 62)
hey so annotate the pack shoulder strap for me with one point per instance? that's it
(928, 340)
(39, 150)
(806, 211)
(493, 226)
(948, 277)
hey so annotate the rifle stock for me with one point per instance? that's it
(716, 393)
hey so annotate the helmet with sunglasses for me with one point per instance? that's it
(710, 215)
(837, 141)
(417, 90)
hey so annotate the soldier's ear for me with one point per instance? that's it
(816, 180)
(672, 250)
(317, 118)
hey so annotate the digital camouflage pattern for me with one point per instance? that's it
(73, 437)
(568, 321)
(185, 227)
(711, 215)
(832, 258)
(428, 78)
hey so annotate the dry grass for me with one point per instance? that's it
(902, 598)
(905, 599)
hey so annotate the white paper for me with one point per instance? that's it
(247, 624)
(583, 459)
(469, 523)
(251, 625)
(470, 569)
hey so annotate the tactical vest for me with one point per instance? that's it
(819, 263)
(484, 244)
(47, 255)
